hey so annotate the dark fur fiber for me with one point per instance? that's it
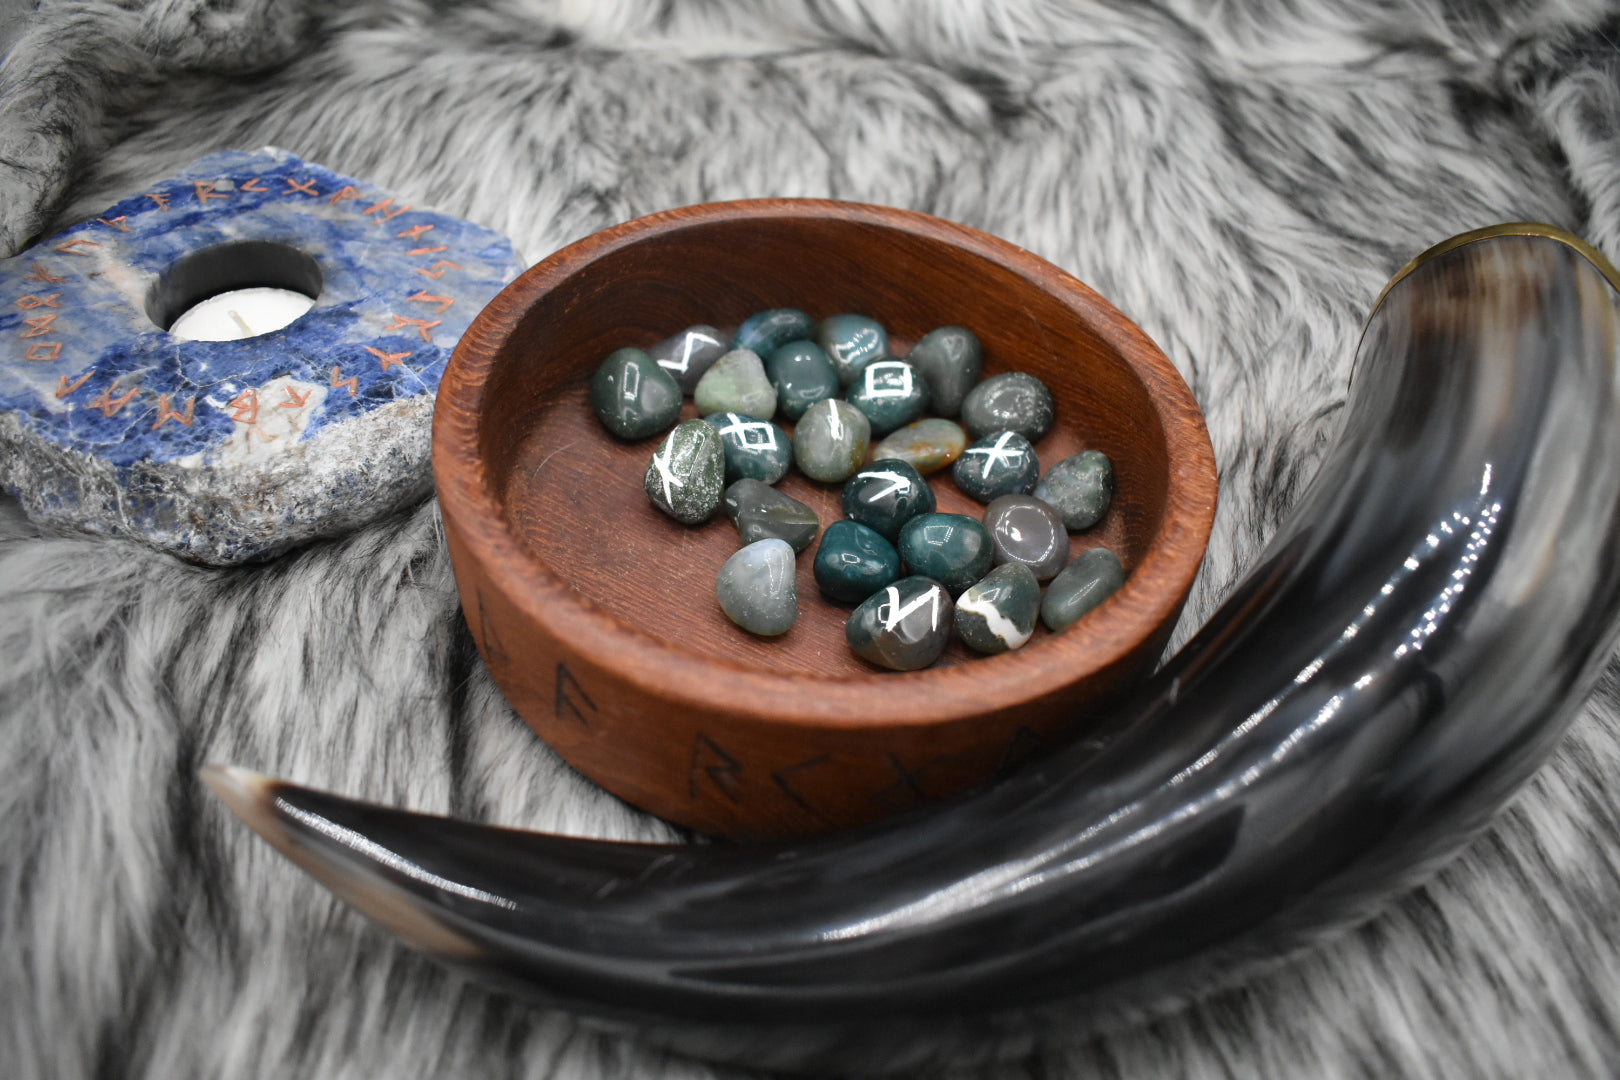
(1239, 176)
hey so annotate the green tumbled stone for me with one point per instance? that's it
(802, 375)
(757, 449)
(953, 549)
(756, 589)
(951, 361)
(852, 342)
(997, 612)
(886, 494)
(1091, 578)
(736, 383)
(760, 511)
(766, 331)
(890, 393)
(687, 473)
(1003, 463)
(928, 445)
(831, 440)
(1011, 401)
(904, 626)
(1079, 488)
(853, 562)
(633, 396)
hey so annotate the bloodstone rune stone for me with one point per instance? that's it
(222, 451)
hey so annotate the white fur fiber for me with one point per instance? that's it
(1239, 176)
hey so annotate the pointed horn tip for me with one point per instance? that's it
(245, 793)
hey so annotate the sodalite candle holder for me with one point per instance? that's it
(224, 451)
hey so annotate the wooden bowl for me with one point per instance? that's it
(597, 614)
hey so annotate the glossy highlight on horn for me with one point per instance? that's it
(1406, 651)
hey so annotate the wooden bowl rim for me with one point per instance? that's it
(1151, 595)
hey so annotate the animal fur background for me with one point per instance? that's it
(1240, 177)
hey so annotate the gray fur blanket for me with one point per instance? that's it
(1240, 177)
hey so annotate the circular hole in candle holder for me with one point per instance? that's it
(234, 291)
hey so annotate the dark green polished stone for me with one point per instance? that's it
(1093, 576)
(760, 511)
(633, 396)
(904, 626)
(757, 449)
(766, 331)
(1079, 488)
(890, 393)
(1025, 530)
(951, 361)
(852, 342)
(1002, 463)
(1011, 401)
(885, 494)
(830, 440)
(853, 562)
(997, 613)
(756, 589)
(687, 472)
(802, 375)
(929, 444)
(688, 354)
(953, 549)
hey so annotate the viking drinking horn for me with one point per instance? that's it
(1405, 652)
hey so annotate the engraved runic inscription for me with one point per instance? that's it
(64, 388)
(246, 405)
(437, 269)
(255, 184)
(572, 700)
(387, 359)
(708, 759)
(352, 382)
(39, 273)
(422, 325)
(108, 404)
(166, 412)
(41, 325)
(421, 296)
(205, 191)
(303, 187)
(784, 780)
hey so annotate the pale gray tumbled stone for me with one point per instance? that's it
(736, 383)
(756, 588)
(831, 440)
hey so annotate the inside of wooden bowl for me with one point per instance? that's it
(572, 494)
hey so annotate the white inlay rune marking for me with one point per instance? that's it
(997, 455)
(882, 369)
(755, 433)
(664, 475)
(897, 613)
(896, 483)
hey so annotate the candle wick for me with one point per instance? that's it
(247, 330)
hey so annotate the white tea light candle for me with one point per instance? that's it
(240, 313)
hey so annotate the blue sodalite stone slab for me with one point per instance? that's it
(224, 451)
